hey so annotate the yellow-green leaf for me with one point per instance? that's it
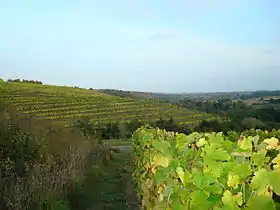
(272, 143)
(160, 160)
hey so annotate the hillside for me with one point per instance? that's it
(62, 104)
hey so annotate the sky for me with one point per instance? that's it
(144, 45)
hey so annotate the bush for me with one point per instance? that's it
(38, 162)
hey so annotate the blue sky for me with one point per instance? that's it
(147, 45)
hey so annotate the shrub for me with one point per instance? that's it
(37, 163)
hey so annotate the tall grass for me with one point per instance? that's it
(38, 162)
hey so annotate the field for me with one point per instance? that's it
(62, 104)
(260, 100)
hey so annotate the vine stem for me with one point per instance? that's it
(244, 191)
(167, 202)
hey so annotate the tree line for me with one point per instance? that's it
(239, 115)
(25, 81)
(120, 130)
(231, 116)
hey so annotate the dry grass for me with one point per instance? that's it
(65, 156)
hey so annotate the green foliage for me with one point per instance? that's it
(37, 163)
(87, 128)
(206, 170)
(2, 83)
(20, 149)
(25, 81)
(239, 115)
(20, 152)
(109, 131)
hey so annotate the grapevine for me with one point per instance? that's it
(62, 104)
(206, 170)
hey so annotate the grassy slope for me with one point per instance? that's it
(60, 103)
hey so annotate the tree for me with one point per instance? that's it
(2, 84)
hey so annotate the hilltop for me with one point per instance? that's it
(144, 95)
(62, 104)
(174, 97)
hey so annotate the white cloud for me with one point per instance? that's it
(182, 49)
(136, 45)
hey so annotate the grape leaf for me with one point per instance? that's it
(160, 176)
(162, 146)
(207, 182)
(160, 160)
(232, 201)
(274, 179)
(276, 161)
(260, 202)
(147, 137)
(181, 141)
(212, 166)
(246, 143)
(220, 155)
(178, 206)
(272, 143)
(180, 172)
(259, 158)
(213, 188)
(198, 179)
(242, 170)
(185, 176)
(201, 142)
(215, 138)
(260, 180)
(233, 181)
(215, 199)
(199, 201)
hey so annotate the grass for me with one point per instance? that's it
(106, 187)
(61, 104)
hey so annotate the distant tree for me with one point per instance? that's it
(87, 128)
(2, 84)
(251, 122)
(25, 81)
(115, 130)
(132, 126)
(160, 123)
(123, 130)
(170, 125)
(13, 80)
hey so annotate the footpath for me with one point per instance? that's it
(108, 187)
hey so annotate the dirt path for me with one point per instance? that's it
(107, 187)
(123, 148)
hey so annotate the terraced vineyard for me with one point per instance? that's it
(62, 104)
